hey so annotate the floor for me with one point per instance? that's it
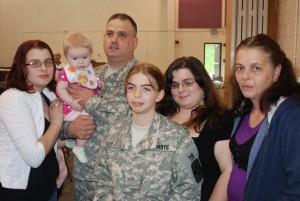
(67, 192)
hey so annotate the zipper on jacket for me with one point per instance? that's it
(257, 159)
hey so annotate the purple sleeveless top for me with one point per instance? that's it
(240, 146)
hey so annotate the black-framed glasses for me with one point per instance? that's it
(38, 63)
(185, 83)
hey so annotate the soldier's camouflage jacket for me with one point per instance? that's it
(163, 166)
(105, 111)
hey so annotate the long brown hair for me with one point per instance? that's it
(18, 73)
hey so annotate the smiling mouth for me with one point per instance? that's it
(182, 96)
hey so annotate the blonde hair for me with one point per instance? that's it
(77, 40)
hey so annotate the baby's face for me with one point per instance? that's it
(79, 58)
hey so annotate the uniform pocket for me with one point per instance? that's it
(132, 181)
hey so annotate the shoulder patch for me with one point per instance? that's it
(197, 170)
(189, 159)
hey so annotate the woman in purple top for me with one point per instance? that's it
(240, 146)
(254, 74)
(264, 138)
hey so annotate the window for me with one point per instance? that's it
(212, 59)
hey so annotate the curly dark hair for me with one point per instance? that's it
(212, 107)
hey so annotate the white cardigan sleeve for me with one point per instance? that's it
(22, 115)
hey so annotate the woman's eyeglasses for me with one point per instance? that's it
(38, 63)
(184, 83)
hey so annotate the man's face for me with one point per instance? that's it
(119, 41)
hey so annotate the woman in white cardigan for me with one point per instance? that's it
(29, 126)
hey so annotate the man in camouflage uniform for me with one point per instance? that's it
(163, 166)
(120, 40)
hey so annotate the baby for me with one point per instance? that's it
(78, 51)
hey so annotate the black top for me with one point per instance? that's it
(41, 182)
(241, 152)
(205, 143)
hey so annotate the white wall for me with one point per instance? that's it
(50, 21)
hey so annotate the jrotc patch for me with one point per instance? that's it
(163, 147)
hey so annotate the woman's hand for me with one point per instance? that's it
(56, 118)
(56, 112)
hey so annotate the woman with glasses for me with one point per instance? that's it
(191, 100)
(29, 126)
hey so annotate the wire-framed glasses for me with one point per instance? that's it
(38, 63)
(185, 83)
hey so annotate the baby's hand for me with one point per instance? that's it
(76, 106)
(101, 85)
(102, 88)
